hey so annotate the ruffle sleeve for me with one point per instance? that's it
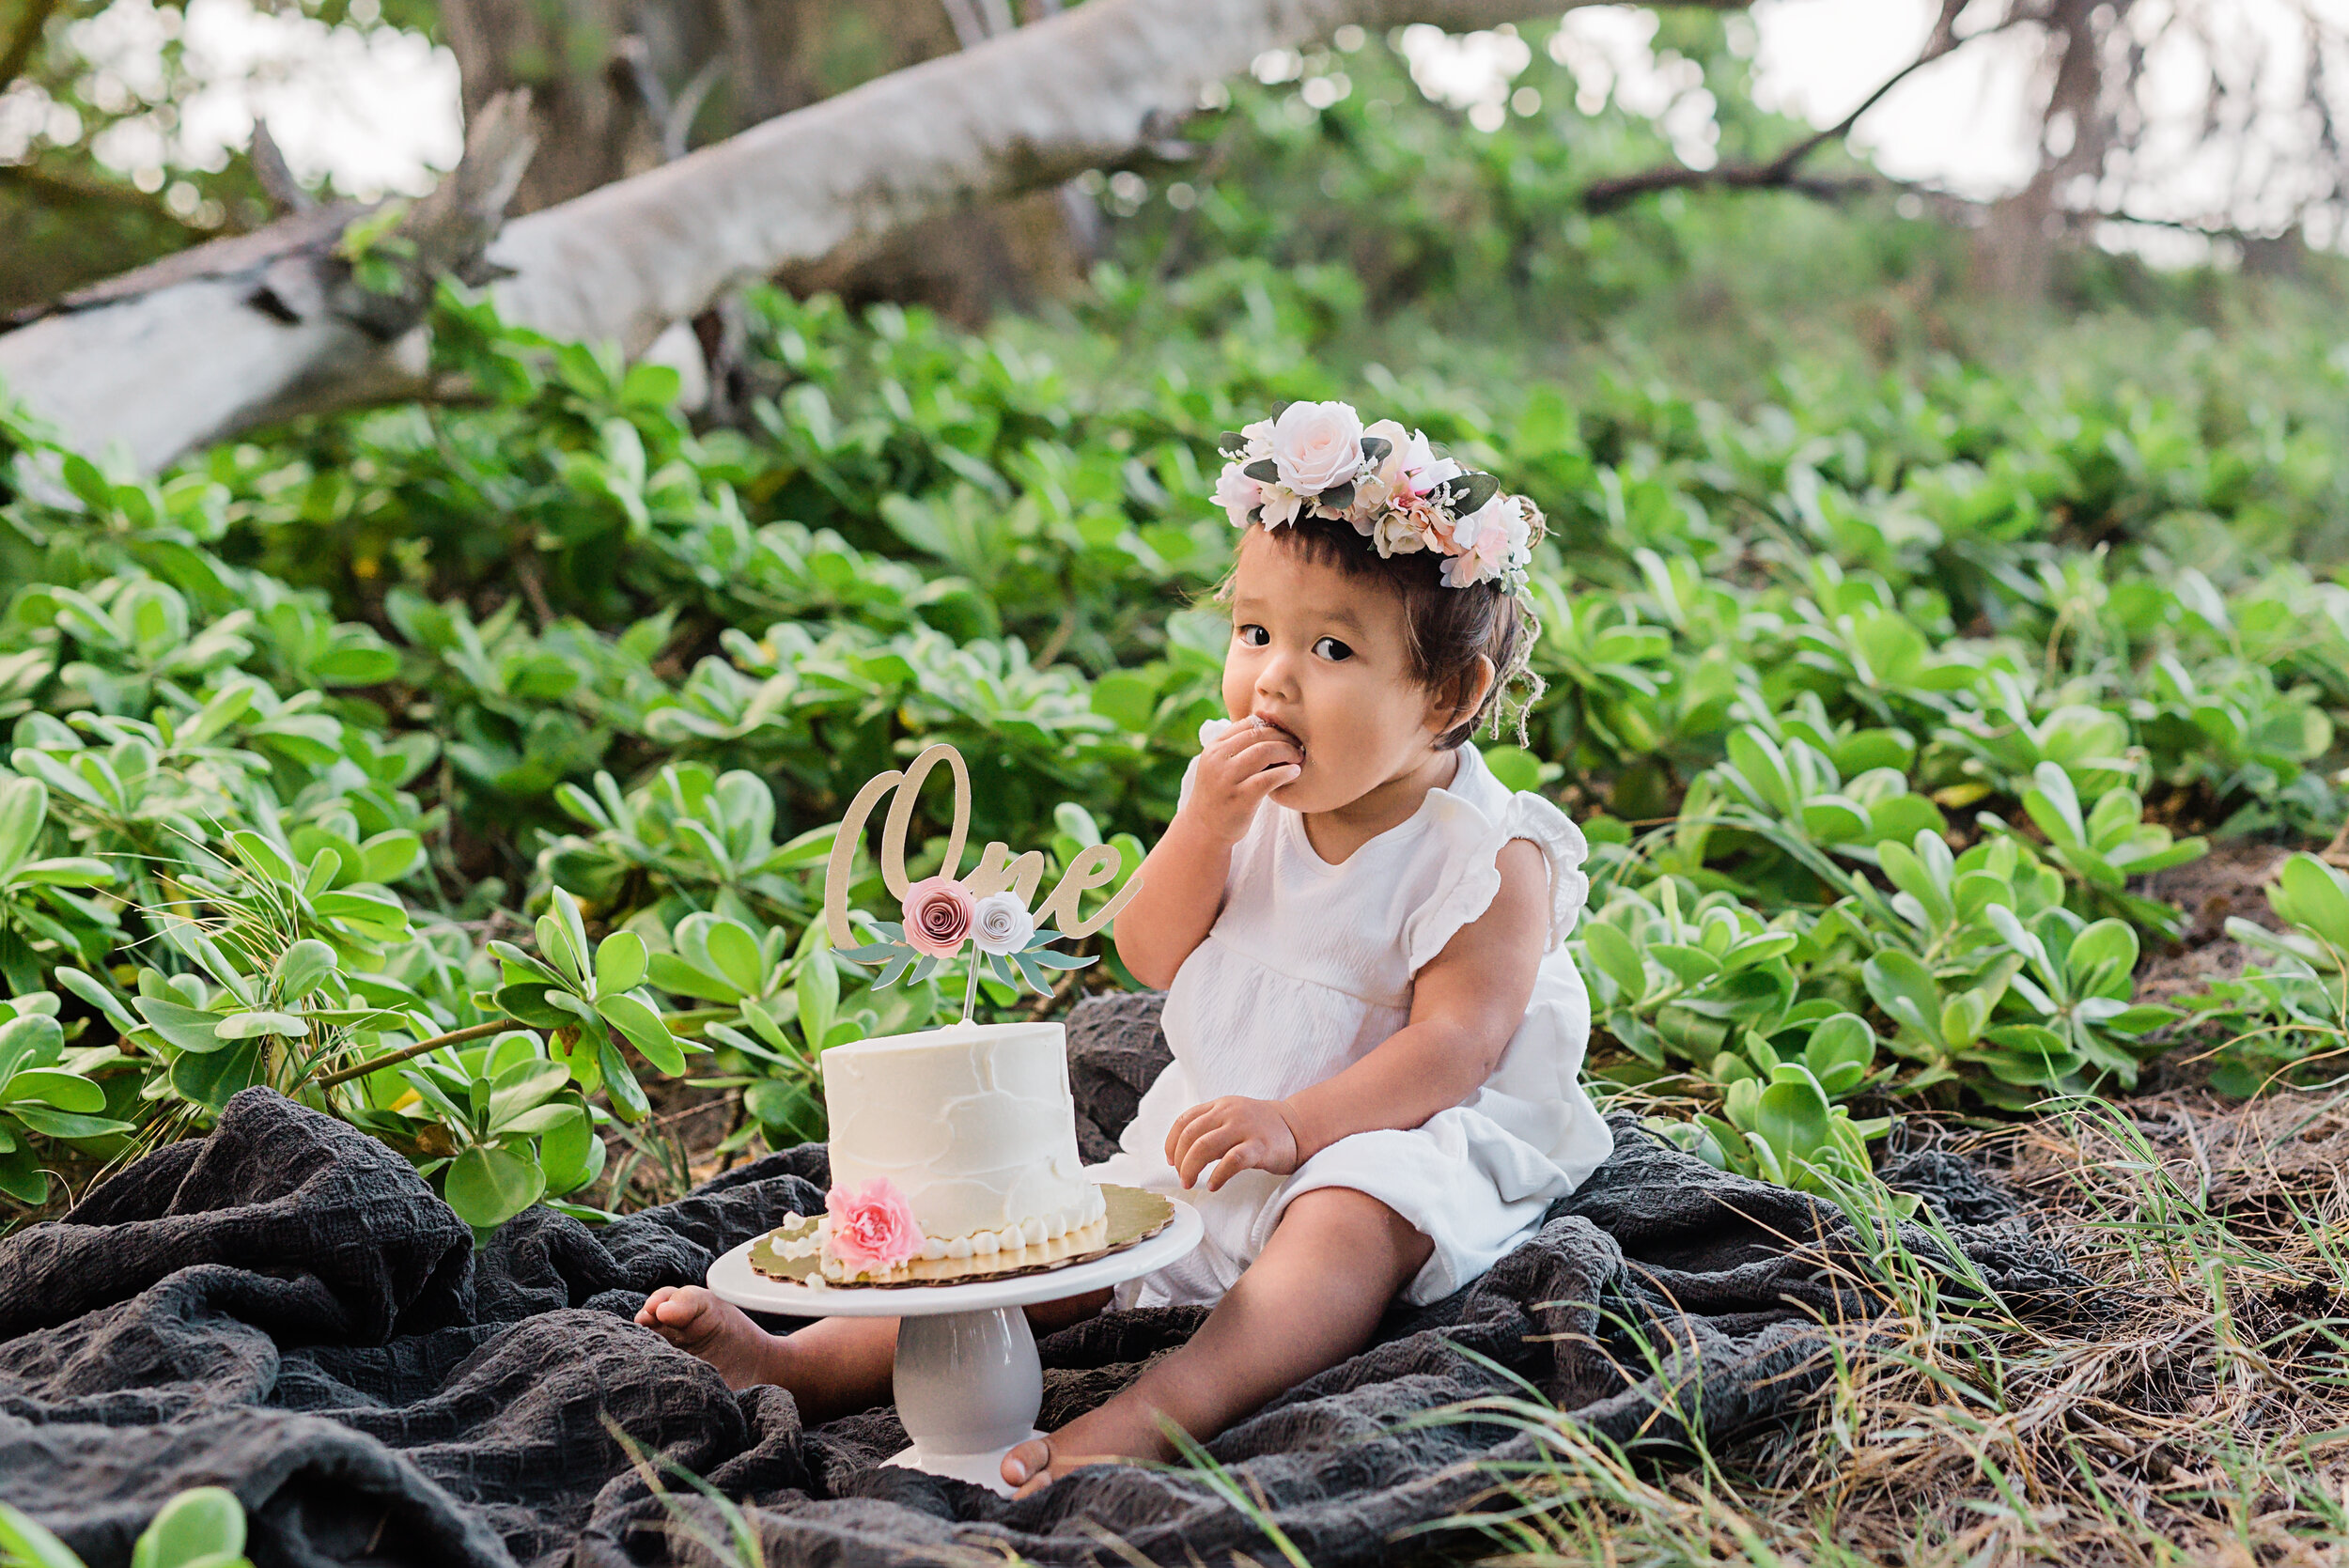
(1471, 841)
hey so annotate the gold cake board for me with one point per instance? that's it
(1133, 1217)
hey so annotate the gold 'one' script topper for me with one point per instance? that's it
(1015, 952)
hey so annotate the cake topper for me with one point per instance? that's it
(990, 909)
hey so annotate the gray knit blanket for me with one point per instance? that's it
(283, 1309)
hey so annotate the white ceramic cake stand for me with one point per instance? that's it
(967, 1380)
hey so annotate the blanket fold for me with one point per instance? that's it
(283, 1308)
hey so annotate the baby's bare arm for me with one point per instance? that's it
(1182, 878)
(1466, 1005)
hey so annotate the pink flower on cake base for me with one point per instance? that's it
(872, 1226)
(938, 911)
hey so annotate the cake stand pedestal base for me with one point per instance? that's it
(968, 1388)
(967, 1381)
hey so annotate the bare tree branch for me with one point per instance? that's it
(277, 180)
(1780, 173)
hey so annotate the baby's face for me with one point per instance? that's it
(1322, 656)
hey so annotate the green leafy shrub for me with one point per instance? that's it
(459, 770)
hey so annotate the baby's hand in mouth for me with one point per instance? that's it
(1260, 721)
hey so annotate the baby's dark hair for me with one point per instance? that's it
(1448, 629)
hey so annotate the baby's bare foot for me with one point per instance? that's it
(1123, 1429)
(697, 1323)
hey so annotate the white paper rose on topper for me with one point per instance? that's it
(1002, 924)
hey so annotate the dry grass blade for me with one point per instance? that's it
(2200, 1414)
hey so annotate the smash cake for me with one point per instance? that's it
(954, 1155)
(974, 1126)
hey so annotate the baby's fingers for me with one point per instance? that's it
(1179, 1134)
(1246, 1156)
(1204, 1148)
(1257, 785)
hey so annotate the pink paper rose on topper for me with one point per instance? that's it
(872, 1226)
(938, 911)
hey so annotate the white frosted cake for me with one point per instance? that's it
(973, 1124)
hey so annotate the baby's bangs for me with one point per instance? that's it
(1447, 630)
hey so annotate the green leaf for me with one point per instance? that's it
(620, 963)
(252, 1026)
(645, 1030)
(303, 967)
(537, 1120)
(1612, 951)
(66, 1123)
(1905, 989)
(2055, 805)
(570, 1154)
(204, 1523)
(211, 1079)
(24, 807)
(620, 1085)
(531, 1004)
(99, 994)
(817, 984)
(675, 976)
(488, 1186)
(734, 953)
(523, 1085)
(24, 1542)
(65, 1091)
(31, 1041)
(1792, 1115)
(184, 1026)
(1840, 1051)
(390, 855)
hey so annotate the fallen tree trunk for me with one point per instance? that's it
(218, 340)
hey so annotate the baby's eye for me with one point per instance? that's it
(1333, 650)
(1255, 636)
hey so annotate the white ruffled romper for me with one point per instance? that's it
(1308, 967)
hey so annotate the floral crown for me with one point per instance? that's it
(1317, 459)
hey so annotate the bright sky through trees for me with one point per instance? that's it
(379, 111)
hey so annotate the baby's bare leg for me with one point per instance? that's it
(1310, 1299)
(835, 1367)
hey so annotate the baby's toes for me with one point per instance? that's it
(1029, 1466)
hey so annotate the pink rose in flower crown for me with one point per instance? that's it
(1238, 494)
(938, 911)
(1485, 541)
(1315, 445)
(872, 1227)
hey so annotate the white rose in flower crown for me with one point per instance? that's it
(1259, 439)
(1002, 924)
(1315, 445)
(1238, 494)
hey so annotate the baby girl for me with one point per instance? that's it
(1377, 1032)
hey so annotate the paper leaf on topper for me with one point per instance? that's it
(987, 910)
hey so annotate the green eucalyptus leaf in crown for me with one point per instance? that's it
(989, 910)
